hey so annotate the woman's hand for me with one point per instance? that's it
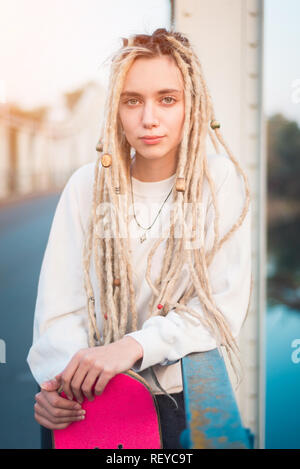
(97, 365)
(53, 411)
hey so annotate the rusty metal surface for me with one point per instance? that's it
(213, 419)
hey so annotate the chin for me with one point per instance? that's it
(152, 153)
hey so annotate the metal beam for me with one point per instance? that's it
(212, 415)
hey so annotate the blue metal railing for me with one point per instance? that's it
(212, 416)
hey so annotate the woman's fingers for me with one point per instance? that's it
(55, 400)
(59, 413)
(48, 424)
(77, 381)
(97, 364)
(51, 385)
(56, 417)
(47, 408)
(57, 405)
(88, 383)
(74, 374)
(53, 424)
(103, 379)
(67, 375)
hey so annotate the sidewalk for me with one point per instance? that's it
(19, 198)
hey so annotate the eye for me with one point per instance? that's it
(131, 99)
(169, 98)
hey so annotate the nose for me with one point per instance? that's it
(149, 118)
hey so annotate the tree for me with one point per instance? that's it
(283, 153)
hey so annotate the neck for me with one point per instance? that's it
(153, 170)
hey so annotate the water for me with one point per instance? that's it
(282, 378)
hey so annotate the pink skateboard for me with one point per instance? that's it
(125, 416)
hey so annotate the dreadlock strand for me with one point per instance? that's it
(87, 252)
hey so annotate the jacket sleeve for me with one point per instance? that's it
(60, 320)
(166, 339)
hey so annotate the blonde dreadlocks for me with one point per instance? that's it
(111, 252)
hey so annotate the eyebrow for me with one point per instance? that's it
(164, 91)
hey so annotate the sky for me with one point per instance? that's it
(49, 46)
(282, 58)
(52, 46)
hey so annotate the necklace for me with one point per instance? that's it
(143, 237)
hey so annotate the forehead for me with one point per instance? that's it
(150, 75)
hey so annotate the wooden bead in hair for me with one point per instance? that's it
(215, 124)
(106, 160)
(99, 146)
(117, 282)
(180, 184)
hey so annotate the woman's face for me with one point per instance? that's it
(152, 104)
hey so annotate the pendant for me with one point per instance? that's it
(142, 238)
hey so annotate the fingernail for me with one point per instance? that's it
(49, 383)
(45, 385)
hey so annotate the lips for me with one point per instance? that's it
(152, 139)
(151, 136)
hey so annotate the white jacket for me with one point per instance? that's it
(60, 322)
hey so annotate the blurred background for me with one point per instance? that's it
(54, 65)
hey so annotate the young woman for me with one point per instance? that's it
(149, 254)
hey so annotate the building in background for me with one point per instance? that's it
(41, 148)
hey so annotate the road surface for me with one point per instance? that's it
(24, 231)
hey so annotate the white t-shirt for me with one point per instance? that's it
(61, 320)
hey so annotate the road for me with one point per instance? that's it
(24, 231)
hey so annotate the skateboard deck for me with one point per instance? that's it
(124, 416)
